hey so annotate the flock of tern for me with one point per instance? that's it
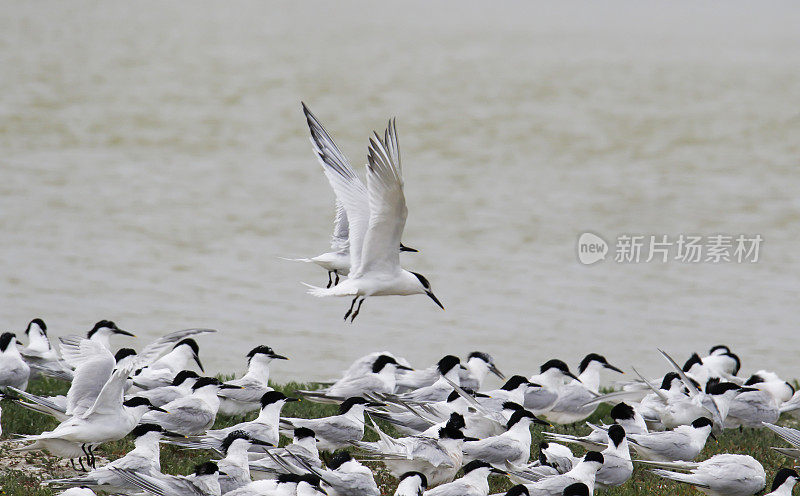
(453, 432)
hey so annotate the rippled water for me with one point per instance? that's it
(155, 165)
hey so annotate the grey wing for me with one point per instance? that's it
(152, 351)
(251, 392)
(336, 428)
(355, 386)
(573, 398)
(494, 450)
(551, 485)
(455, 488)
(89, 379)
(667, 444)
(540, 398)
(429, 449)
(387, 206)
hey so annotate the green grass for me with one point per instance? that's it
(17, 420)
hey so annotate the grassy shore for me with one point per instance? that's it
(24, 482)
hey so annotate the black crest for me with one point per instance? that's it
(207, 468)
(422, 280)
(5, 340)
(622, 411)
(350, 402)
(181, 376)
(191, 343)
(38, 322)
(591, 357)
(339, 459)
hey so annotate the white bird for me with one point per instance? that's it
(376, 216)
(622, 414)
(438, 458)
(283, 485)
(181, 386)
(449, 370)
(411, 484)
(251, 386)
(552, 376)
(100, 333)
(683, 443)
(336, 431)
(264, 427)
(476, 369)
(769, 382)
(617, 466)
(474, 482)
(14, 372)
(77, 491)
(337, 261)
(571, 405)
(303, 446)
(191, 415)
(39, 353)
(143, 458)
(204, 481)
(162, 371)
(512, 446)
(345, 476)
(236, 464)
(584, 472)
(381, 378)
(784, 482)
(791, 436)
(720, 475)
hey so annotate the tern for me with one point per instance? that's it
(449, 369)
(572, 398)
(584, 472)
(337, 431)
(304, 446)
(720, 475)
(784, 482)
(512, 446)
(144, 458)
(381, 378)
(337, 261)
(204, 481)
(14, 371)
(477, 368)
(683, 443)
(411, 484)
(236, 465)
(252, 385)
(376, 215)
(474, 482)
(163, 371)
(193, 414)
(181, 386)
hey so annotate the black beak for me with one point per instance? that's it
(713, 436)
(158, 409)
(494, 370)
(261, 443)
(221, 473)
(197, 361)
(570, 374)
(471, 438)
(403, 367)
(375, 404)
(498, 471)
(611, 367)
(537, 420)
(230, 386)
(124, 333)
(292, 399)
(278, 357)
(172, 434)
(435, 299)
(481, 395)
(406, 248)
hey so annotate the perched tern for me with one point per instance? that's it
(720, 475)
(512, 446)
(784, 482)
(683, 443)
(204, 481)
(251, 386)
(14, 371)
(474, 482)
(411, 484)
(337, 431)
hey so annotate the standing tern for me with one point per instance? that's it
(236, 464)
(337, 261)
(449, 369)
(304, 446)
(784, 482)
(377, 216)
(476, 368)
(181, 386)
(252, 385)
(411, 484)
(14, 371)
(474, 482)
(584, 472)
(720, 475)
(683, 443)
(203, 482)
(512, 446)
(163, 371)
(571, 405)
(144, 458)
(381, 378)
(337, 431)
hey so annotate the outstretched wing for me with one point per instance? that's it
(352, 206)
(387, 205)
(94, 364)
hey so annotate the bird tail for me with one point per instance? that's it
(307, 260)
(338, 290)
(679, 477)
(566, 438)
(37, 403)
(677, 465)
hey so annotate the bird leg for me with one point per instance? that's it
(93, 461)
(357, 309)
(351, 308)
(337, 277)
(330, 281)
(72, 461)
